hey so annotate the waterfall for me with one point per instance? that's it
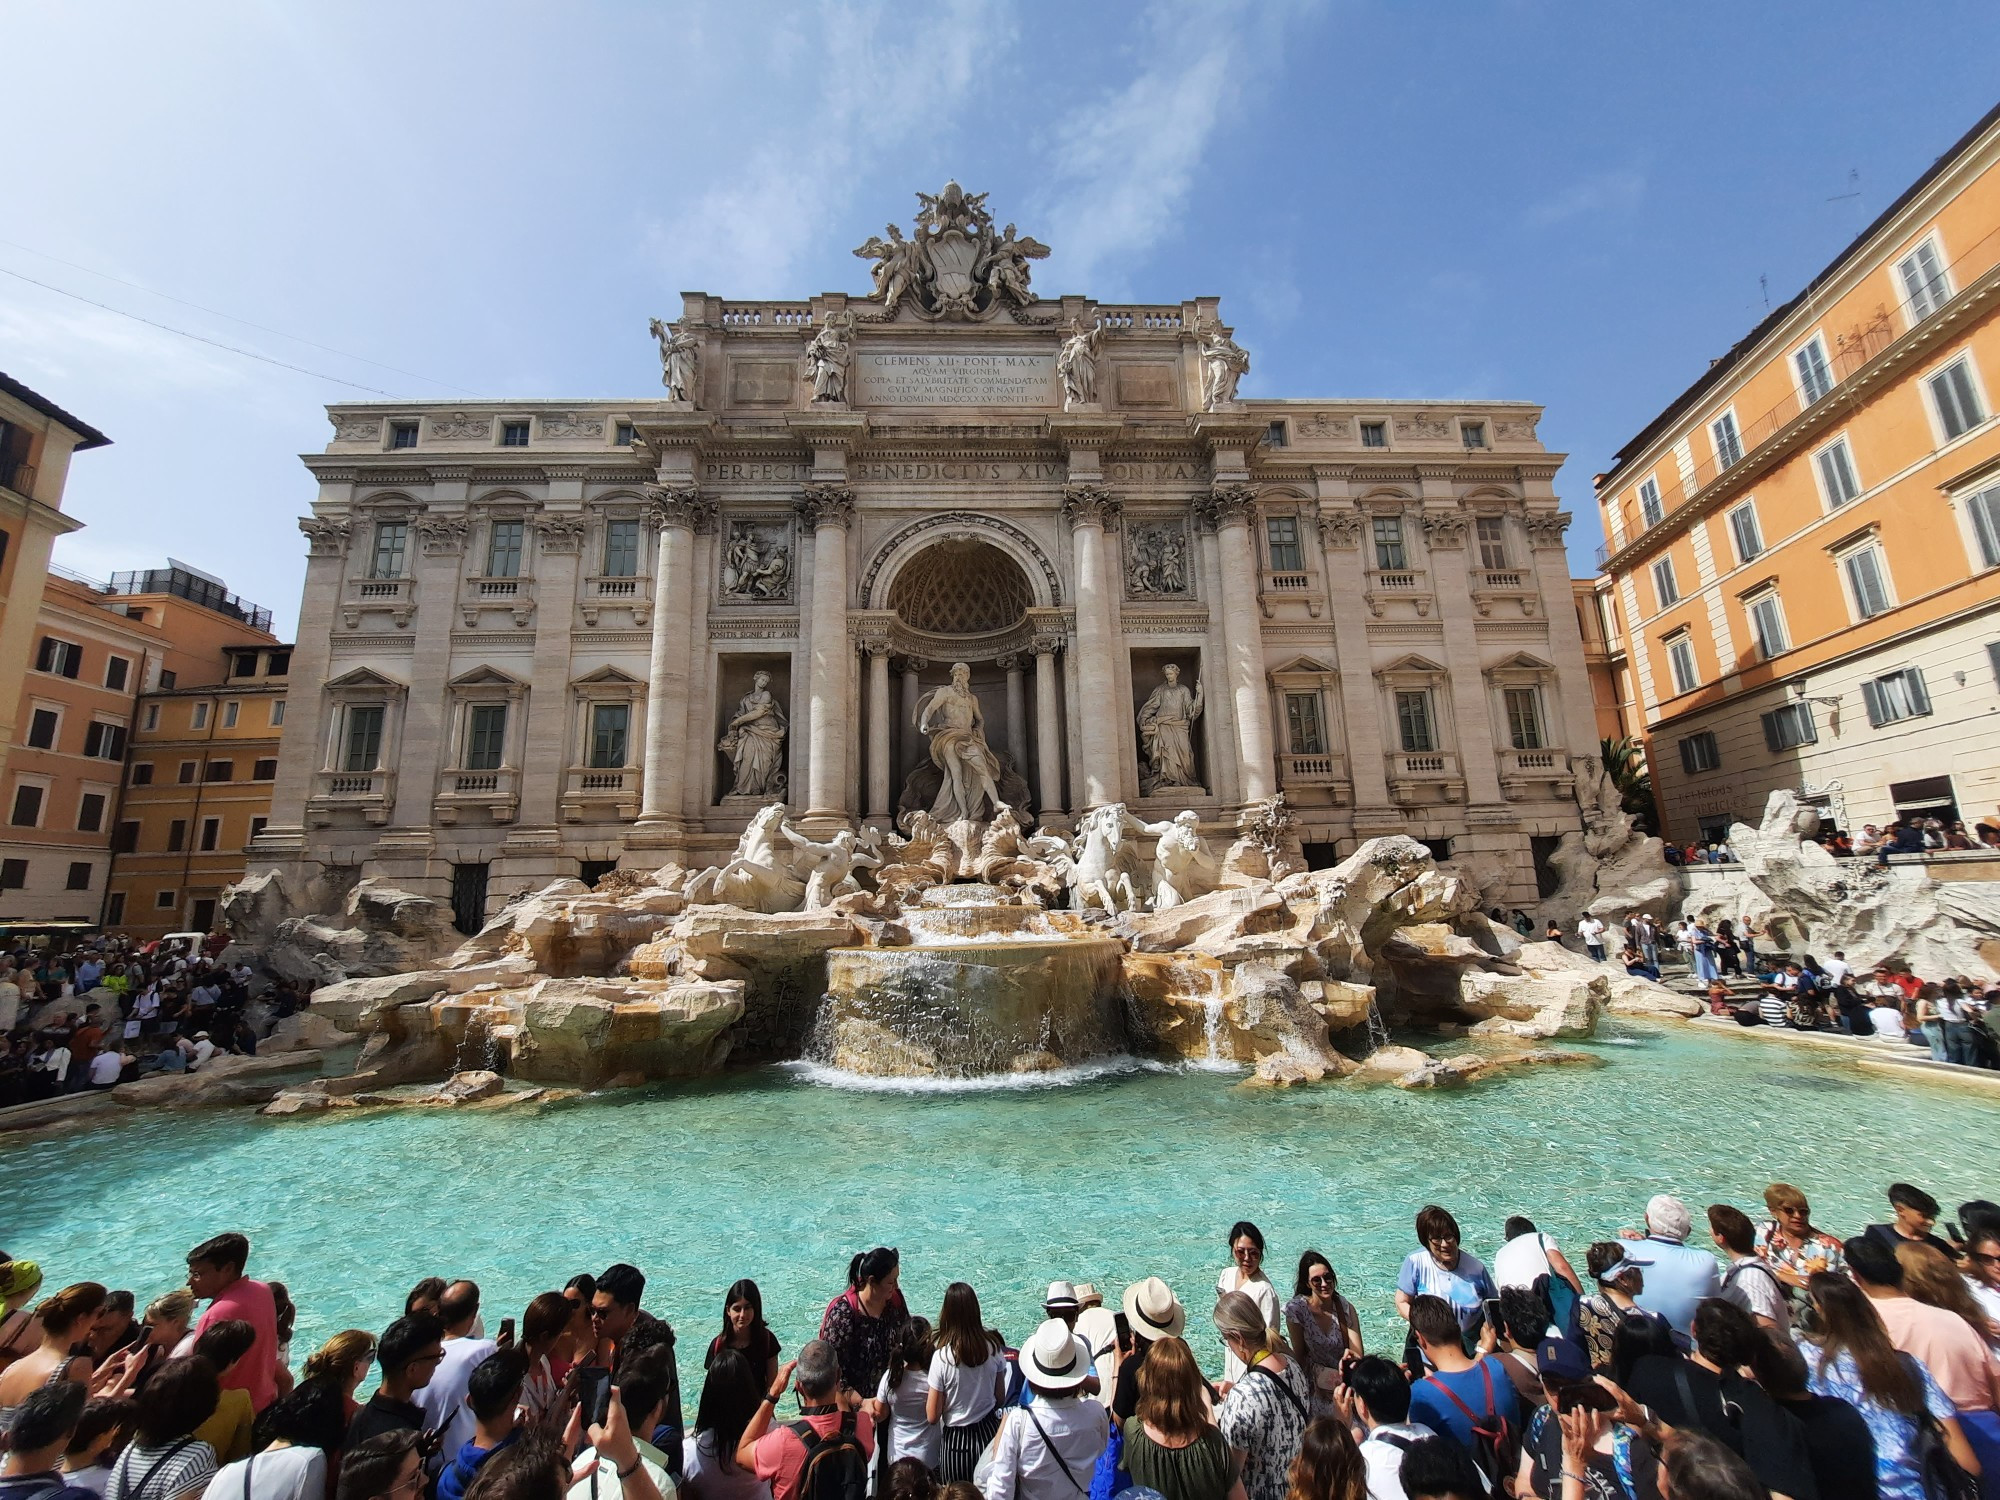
(1378, 1030)
(1212, 1026)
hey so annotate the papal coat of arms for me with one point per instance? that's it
(955, 265)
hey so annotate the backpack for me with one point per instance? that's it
(1495, 1446)
(836, 1468)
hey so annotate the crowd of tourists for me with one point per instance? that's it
(1726, 1360)
(170, 1007)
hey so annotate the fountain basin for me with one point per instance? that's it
(968, 1008)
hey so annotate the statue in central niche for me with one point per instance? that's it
(950, 716)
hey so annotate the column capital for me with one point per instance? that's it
(325, 538)
(442, 535)
(1090, 505)
(679, 505)
(1047, 645)
(1009, 663)
(826, 505)
(1443, 528)
(1340, 528)
(559, 533)
(1546, 530)
(1226, 503)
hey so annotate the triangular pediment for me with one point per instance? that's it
(365, 677)
(1522, 661)
(485, 676)
(1303, 664)
(605, 675)
(1413, 663)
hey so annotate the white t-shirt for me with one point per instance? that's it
(1888, 1022)
(969, 1391)
(1259, 1291)
(1751, 1285)
(1522, 1259)
(443, 1400)
(1590, 930)
(275, 1474)
(1098, 1328)
(1385, 1459)
(1986, 1296)
(1836, 970)
(704, 1478)
(912, 1434)
(203, 1051)
(105, 1067)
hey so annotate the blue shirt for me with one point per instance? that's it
(1440, 1413)
(1462, 1286)
(457, 1476)
(1677, 1277)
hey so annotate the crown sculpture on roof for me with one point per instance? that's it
(955, 265)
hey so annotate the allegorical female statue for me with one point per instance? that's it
(1166, 731)
(755, 742)
(1076, 364)
(950, 716)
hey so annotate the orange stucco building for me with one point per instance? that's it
(1803, 555)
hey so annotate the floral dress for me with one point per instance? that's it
(1325, 1350)
(1895, 1470)
(1264, 1416)
(862, 1343)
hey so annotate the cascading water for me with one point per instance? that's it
(1212, 1027)
(1378, 1029)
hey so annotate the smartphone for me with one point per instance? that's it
(1584, 1395)
(506, 1332)
(430, 1442)
(1491, 1307)
(593, 1394)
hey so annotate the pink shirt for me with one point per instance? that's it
(1957, 1358)
(781, 1457)
(257, 1371)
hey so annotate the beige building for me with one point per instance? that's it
(37, 438)
(545, 638)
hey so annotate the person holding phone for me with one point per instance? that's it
(1574, 1434)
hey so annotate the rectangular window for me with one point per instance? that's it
(485, 736)
(1374, 434)
(152, 717)
(277, 713)
(198, 714)
(1472, 434)
(1899, 695)
(1865, 581)
(79, 876)
(13, 874)
(503, 549)
(167, 679)
(1984, 511)
(1680, 658)
(1274, 435)
(42, 729)
(1836, 473)
(609, 723)
(1666, 588)
(117, 672)
(125, 837)
(114, 908)
(1815, 376)
(257, 826)
(220, 770)
(1922, 274)
(164, 900)
(402, 434)
(177, 835)
(1699, 753)
(1491, 532)
(278, 663)
(1302, 724)
(63, 658)
(1389, 554)
(624, 435)
(621, 549)
(1728, 441)
(1414, 723)
(264, 770)
(1958, 405)
(1282, 535)
(1745, 532)
(90, 812)
(211, 834)
(1789, 727)
(1524, 717)
(185, 776)
(364, 737)
(229, 712)
(513, 434)
(27, 806)
(142, 773)
(392, 541)
(243, 664)
(104, 741)
(1651, 507)
(1767, 624)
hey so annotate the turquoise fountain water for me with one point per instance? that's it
(1104, 1178)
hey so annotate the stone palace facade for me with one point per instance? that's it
(550, 638)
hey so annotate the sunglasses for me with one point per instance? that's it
(1984, 1260)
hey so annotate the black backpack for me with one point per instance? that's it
(836, 1468)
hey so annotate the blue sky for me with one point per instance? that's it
(1564, 203)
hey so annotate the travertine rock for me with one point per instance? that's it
(465, 1088)
(1627, 994)
(381, 930)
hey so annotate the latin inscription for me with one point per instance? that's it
(968, 379)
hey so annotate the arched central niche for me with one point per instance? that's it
(960, 586)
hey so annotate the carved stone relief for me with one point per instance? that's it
(569, 424)
(1157, 560)
(757, 563)
(357, 429)
(458, 426)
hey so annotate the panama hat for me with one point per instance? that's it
(1088, 1295)
(1055, 1359)
(1061, 1294)
(1153, 1310)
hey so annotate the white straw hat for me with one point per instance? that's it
(1061, 1294)
(1055, 1359)
(1153, 1310)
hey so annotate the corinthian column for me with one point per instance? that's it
(829, 510)
(1048, 732)
(878, 728)
(673, 513)
(1089, 507)
(1232, 506)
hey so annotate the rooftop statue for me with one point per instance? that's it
(955, 266)
(680, 355)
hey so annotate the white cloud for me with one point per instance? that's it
(1601, 193)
